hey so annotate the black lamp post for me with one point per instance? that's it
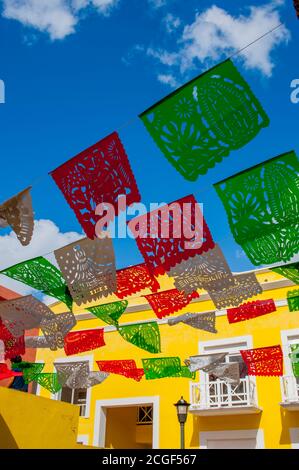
(182, 412)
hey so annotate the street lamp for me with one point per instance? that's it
(182, 412)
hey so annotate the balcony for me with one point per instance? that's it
(216, 398)
(290, 393)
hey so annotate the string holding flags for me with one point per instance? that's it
(201, 321)
(98, 175)
(17, 213)
(88, 267)
(167, 302)
(80, 341)
(109, 313)
(170, 234)
(262, 209)
(206, 271)
(143, 335)
(266, 361)
(134, 279)
(245, 286)
(250, 310)
(200, 123)
(40, 274)
(125, 367)
(293, 300)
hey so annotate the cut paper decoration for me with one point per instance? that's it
(296, 6)
(206, 362)
(206, 271)
(6, 373)
(88, 266)
(77, 375)
(170, 234)
(294, 356)
(36, 342)
(290, 271)
(293, 300)
(30, 370)
(40, 274)
(263, 209)
(80, 341)
(98, 175)
(109, 313)
(229, 372)
(125, 367)
(134, 279)
(13, 346)
(185, 373)
(199, 124)
(143, 335)
(170, 301)
(56, 328)
(264, 361)
(23, 313)
(161, 367)
(201, 321)
(49, 382)
(2, 351)
(18, 214)
(245, 287)
(250, 310)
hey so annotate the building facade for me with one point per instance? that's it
(261, 412)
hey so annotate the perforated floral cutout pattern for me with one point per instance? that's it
(23, 313)
(262, 205)
(264, 361)
(99, 174)
(56, 327)
(199, 124)
(48, 381)
(88, 267)
(36, 342)
(17, 213)
(201, 321)
(290, 271)
(205, 362)
(229, 372)
(134, 279)
(171, 234)
(71, 373)
(161, 367)
(170, 301)
(80, 341)
(250, 310)
(30, 370)
(293, 300)
(109, 313)
(245, 287)
(143, 335)
(12, 346)
(206, 271)
(40, 274)
(125, 367)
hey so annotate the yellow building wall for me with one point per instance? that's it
(182, 340)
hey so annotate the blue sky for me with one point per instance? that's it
(76, 72)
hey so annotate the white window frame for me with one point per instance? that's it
(90, 360)
(83, 438)
(294, 435)
(288, 337)
(99, 435)
(258, 434)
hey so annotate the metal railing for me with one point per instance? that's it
(220, 394)
(290, 389)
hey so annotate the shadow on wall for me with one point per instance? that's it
(289, 419)
(6, 438)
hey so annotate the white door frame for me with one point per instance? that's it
(294, 435)
(237, 434)
(99, 436)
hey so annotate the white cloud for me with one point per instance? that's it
(166, 58)
(216, 34)
(168, 79)
(58, 18)
(46, 238)
(172, 23)
(157, 3)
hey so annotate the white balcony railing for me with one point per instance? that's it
(290, 389)
(219, 394)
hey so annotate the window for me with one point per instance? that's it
(75, 397)
(144, 415)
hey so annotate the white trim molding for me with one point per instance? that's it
(294, 435)
(100, 419)
(83, 438)
(257, 434)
